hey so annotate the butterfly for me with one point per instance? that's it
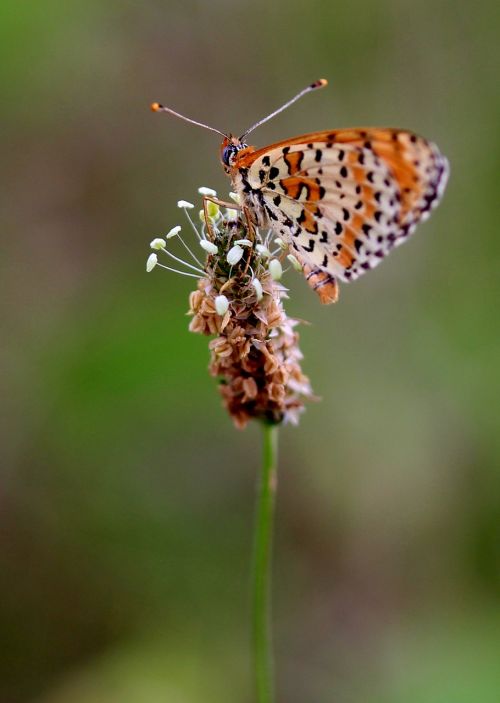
(341, 199)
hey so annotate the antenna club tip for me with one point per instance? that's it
(319, 84)
(155, 107)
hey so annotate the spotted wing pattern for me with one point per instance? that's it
(342, 199)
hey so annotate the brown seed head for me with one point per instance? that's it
(255, 351)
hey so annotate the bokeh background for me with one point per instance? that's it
(126, 494)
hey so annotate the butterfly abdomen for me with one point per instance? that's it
(322, 283)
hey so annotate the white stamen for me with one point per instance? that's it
(188, 249)
(192, 224)
(181, 261)
(185, 204)
(207, 191)
(244, 242)
(295, 262)
(234, 255)
(151, 262)
(208, 246)
(263, 251)
(275, 269)
(279, 242)
(258, 288)
(235, 197)
(173, 232)
(231, 214)
(221, 305)
(267, 240)
(158, 243)
(182, 273)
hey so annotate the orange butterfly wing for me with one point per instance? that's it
(344, 198)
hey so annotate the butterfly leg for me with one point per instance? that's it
(208, 223)
(222, 203)
(251, 235)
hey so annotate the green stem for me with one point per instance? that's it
(263, 657)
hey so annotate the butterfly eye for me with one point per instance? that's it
(230, 151)
(227, 154)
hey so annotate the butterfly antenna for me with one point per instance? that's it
(314, 86)
(156, 107)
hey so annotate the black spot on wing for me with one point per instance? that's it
(310, 247)
(271, 214)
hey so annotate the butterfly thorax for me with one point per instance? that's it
(232, 151)
(251, 198)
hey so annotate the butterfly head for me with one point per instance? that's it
(229, 149)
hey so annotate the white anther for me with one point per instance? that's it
(234, 255)
(275, 269)
(158, 243)
(208, 246)
(263, 251)
(207, 191)
(258, 288)
(173, 232)
(221, 305)
(295, 262)
(151, 262)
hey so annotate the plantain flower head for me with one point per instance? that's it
(238, 301)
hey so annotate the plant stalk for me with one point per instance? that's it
(262, 574)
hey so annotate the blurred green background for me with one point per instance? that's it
(126, 496)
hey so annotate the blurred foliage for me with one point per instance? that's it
(126, 495)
